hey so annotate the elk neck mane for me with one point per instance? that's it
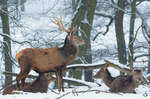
(68, 49)
(109, 78)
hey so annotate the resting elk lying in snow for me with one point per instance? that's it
(104, 74)
(126, 84)
(50, 59)
(39, 85)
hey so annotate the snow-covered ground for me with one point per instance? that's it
(36, 21)
(82, 93)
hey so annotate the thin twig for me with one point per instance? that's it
(76, 92)
(7, 85)
(53, 91)
(63, 95)
(107, 26)
(142, 61)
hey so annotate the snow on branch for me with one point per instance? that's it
(85, 66)
(66, 79)
(139, 56)
(13, 40)
(123, 69)
(81, 82)
(107, 26)
(114, 64)
(120, 67)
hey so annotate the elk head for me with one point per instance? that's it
(137, 74)
(102, 72)
(71, 37)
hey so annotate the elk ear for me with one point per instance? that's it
(106, 66)
(97, 74)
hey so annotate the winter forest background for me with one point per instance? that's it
(115, 30)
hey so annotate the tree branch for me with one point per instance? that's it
(107, 26)
(5, 35)
(140, 56)
(85, 66)
(69, 80)
(122, 68)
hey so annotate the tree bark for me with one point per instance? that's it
(149, 58)
(131, 35)
(119, 32)
(7, 42)
(84, 20)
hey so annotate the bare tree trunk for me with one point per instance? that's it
(85, 12)
(131, 35)
(149, 58)
(74, 5)
(119, 33)
(7, 42)
(87, 27)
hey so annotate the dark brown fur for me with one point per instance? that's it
(126, 84)
(39, 85)
(46, 60)
(122, 83)
(11, 88)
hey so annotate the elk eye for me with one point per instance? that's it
(139, 79)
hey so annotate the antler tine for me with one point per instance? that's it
(74, 29)
(58, 22)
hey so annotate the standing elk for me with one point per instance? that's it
(126, 84)
(39, 85)
(49, 59)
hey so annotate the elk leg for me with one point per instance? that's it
(22, 76)
(62, 83)
(19, 78)
(22, 82)
(59, 78)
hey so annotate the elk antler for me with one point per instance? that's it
(58, 22)
(74, 29)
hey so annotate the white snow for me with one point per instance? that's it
(79, 93)
(37, 25)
